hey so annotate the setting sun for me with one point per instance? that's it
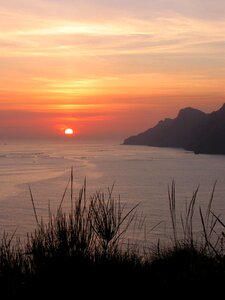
(68, 131)
(107, 71)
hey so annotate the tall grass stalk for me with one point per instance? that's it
(172, 207)
(209, 222)
(187, 220)
(93, 227)
(108, 220)
(213, 241)
(85, 241)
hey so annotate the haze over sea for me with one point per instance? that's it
(141, 175)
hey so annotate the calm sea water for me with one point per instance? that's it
(140, 174)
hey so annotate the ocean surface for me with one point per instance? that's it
(139, 174)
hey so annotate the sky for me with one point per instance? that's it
(107, 69)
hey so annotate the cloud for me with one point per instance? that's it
(106, 9)
(60, 38)
(55, 52)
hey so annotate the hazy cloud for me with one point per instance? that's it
(55, 52)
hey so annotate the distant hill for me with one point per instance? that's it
(192, 130)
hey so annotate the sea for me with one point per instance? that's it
(138, 175)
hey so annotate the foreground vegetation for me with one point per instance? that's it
(82, 252)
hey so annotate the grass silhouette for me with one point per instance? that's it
(82, 252)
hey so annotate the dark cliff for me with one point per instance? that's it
(192, 130)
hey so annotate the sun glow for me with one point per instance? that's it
(68, 131)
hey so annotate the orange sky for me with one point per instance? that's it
(107, 68)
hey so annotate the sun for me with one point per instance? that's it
(68, 131)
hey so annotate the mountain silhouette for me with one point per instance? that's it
(192, 130)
